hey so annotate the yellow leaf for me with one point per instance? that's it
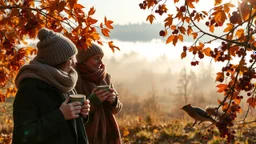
(217, 2)
(229, 27)
(183, 54)
(150, 18)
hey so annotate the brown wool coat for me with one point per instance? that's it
(102, 127)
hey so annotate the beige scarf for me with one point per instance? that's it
(62, 80)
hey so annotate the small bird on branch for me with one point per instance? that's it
(198, 114)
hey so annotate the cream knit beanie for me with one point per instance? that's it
(54, 48)
(84, 54)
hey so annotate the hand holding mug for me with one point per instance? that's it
(70, 110)
(85, 108)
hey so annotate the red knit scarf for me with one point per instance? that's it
(95, 77)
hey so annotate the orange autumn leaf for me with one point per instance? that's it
(220, 16)
(207, 51)
(182, 29)
(190, 3)
(217, 2)
(105, 32)
(220, 77)
(251, 101)
(221, 87)
(189, 30)
(168, 21)
(91, 11)
(112, 46)
(78, 6)
(180, 37)
(170, 39)
(194, 34)
(229, 27)
(183, 54)
(108, 23)
(240, 33)
(150, 18)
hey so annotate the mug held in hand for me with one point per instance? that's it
(105, 87)
(77, 97)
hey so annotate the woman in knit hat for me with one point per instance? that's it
(41, 110)
(102, 127)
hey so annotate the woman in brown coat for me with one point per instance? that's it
(102, 127)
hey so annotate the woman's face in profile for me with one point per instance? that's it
(94, 63)
(68, 64)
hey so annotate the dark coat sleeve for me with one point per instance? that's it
(30, 126)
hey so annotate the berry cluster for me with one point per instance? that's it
(220, 53)
(244, 82)
(161, 9)
(144, 4)
(194, 63)
(213, 22)
(253, 58)
(225, 122)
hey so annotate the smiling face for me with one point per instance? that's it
(94, 63)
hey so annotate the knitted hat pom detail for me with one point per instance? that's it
(43, 33)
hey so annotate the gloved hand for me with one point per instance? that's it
(198, 114)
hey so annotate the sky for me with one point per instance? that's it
(132, 33)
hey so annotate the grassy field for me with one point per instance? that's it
(141, 123)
